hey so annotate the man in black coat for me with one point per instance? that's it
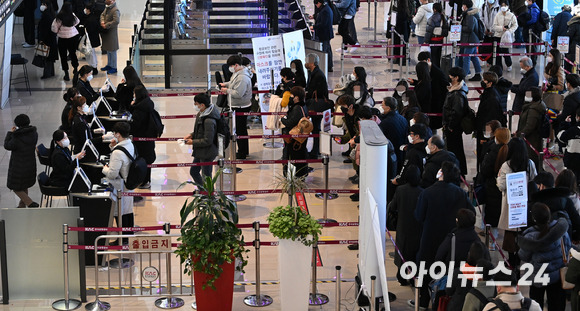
(415, 151)
(439, 83)
(394, 126)
(560, 24)
(316, 88)
(489, 109)
(436, 155)
(529, 80)
(571, 102)
(323, 28)
(503, 86)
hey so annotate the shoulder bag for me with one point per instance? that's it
(563, 270)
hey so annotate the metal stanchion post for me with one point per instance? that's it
(375, 28)
(325, 196)
(494, 53)
(541, 161)
(416, 298)
(257, 300)
(97, 305)
(342, 59)
(316, 299)
(221, 167)
(392, 42)
(407, 56)
(369, 17)
(66, 303)
(372, 298)
(338, 285)
(169, 302)
(510, 116)
(487, 239)
(120, 263)
(235, 197)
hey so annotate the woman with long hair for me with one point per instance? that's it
(298, 69)
(126, 88)
(553, 72)
(142, 109)
(81, 130)
(567, 179)
(61, 160)
(358, 88)
(64, 27)
(410, 105)
(68, 97)
(423, 87)
(46, 36)
(517, 160)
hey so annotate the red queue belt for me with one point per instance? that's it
(239, 192)
(238, 137)
(234, 162)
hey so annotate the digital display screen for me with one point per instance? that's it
(7, 7)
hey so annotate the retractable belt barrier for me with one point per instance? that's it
(227, 162)
(541, 156)
(240, 192)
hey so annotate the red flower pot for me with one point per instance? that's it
(220, 298)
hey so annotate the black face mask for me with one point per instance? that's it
(483, 84)
(291, 100)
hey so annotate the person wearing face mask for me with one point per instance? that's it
(488, 137)
(203, 139)
(436, 155)
(90, 20)
(350, 122)
(573, 32)
(503, 86)
(530, 21)
(239, 90)
(410, 105)
(400, 90)
(323, 29)
(82, 81)
(489, 109)
(422, 91)
(438, 90)
(21, 141)
(64, 25)
(142, 109)
(359, 88)
(68, 97)
(415, 151)
(570, 105)
(421, 118)
(469, 28)
(46, 36)
(298, 70)
(553, 73)
(126, 89)
(110, 22)
(394, 127)
(295, 150)
(496, 155)
(570, 136)
(504, 21)
(489, 10)
(454, 109)
(560, 24)
(287, 82)
(531, 120)
(80, 128)
(529, 80)
(436, 211)
(62, 161)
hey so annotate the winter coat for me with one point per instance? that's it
(574, 34)
(529, 80)
(62, 31)
(124, 95)
(433, 22)
(472, 303)
(111, 16)
(488, 15)
(500, 21)
(554, 82)
(80, 131)
(395, 128)
(573, 276)
(284, 87)
(513, 300)
(502, 186)
(571, 137)
(560, 25)
(346, 7)
(530, 122)
(561, 206)
(408, 112)
(423, 14)
(204, 134)
(503, 87)
(46, 36)
(455, 106)
(87, 91)
(65, 124)
(433, 164)
(408, 237)
(116, 173)
(464, 237)
(423, 91)
(439, 83)
(570, 105)
(240, 89)
(323, 24)
(316, 83)
(546, 249)
(141, 126)
(436, 210)
(487, 175)
(469, 26)
(415, 155)
(63, 167)
(22, 166)
(489, 109)
(532, 18)
(92, 28)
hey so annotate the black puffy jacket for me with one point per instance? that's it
(22, 167)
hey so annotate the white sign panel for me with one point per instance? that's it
(268, 56)
(455, 33)
(326, 120)
(517, 197)
(563, 44)
(294, 47)
(577, 58)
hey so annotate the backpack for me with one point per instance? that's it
(543, 21)
(335, 13)
(155, 123)
(468, 120)
(502, 306)
(482, 299)
(223, 128)
(444, 26)
(546, 126)
(480, 31)
(137, 169)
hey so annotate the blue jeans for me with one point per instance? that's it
(465, 60)
(420, 39)
(112, 59)
(206, 170)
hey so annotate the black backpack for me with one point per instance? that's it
(545, 129)
(480, 31)
(444, 26)
(543, 21)
(223, 128)
(502, 306)
(137, 169)
(336, 16)
(155, 123)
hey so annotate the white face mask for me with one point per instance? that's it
(523, 71)
(89, 78)
(87, 12)
(352, 77)
(526, 3)
(356, 94)
(496, 142)
(427, 149)
(487, 135)
(293, 70)
(491, 1)
(410, 138)
(549, 59)
(412, 122)
(439, 174)
(405, 103)
(528, 99)
(400, 93)
(232, 69)
(65, 142)
(42, 8)
(381, 110)
(504, 8)
(86, 109)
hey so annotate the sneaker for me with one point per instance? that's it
(112, 71)
(26, 45)
(351, 178)
(411, 303)
(353, 247)
(476, 77)
(146, 185)
(106, 68)
(346, 153)
(138, 199)
(339, 49)
(240, 156)
(354, 48)
(33, 205)
(509, 68)
(348, 160)
(354, 197)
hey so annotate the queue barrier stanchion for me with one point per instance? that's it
(221, 178)
(487, 240)
(316, 299)
(510, 119)
(120, 263)
(338, 285)
(326, 196)
(66, 303)
(368, 27)
(342, 59)
(169, 302)
(257, 300)
(494, 54)
(98, 305)
(373, 301)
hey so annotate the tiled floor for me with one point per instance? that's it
(44, 108)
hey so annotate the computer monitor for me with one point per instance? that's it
(92, 155)
(80, 182)
(102, 107)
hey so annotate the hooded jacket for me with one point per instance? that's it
(573, 276)
(423, 14)
(503, 87)
(454, 106)
(547, 249)
(560, 25)
(561, 206)
(117, 172)
(488, 14)
(574, 33)
(433, 22)
(22, 167)
(469, 26)
(500, 21)
(531, 121)
(204, 134)
(240, 88)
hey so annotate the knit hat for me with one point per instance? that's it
(468, 3)
(502, 135)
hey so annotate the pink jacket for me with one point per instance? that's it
(64, 31)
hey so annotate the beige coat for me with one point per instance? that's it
(111, 17)
(502, 186)
(116, 173)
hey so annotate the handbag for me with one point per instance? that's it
(563, 270)
(507, 38)
(319, 105)
(337, 120)
(85, 46)
(304, 127)
(42, 49)
(553, 100)
(38, 61)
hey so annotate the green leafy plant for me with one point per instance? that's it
(209, 234)
(291, 222)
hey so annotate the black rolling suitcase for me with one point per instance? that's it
(446, 64)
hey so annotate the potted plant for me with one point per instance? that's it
(210, 244)
(297, 231)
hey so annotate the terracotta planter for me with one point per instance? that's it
(294, 260)
(219, 299)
